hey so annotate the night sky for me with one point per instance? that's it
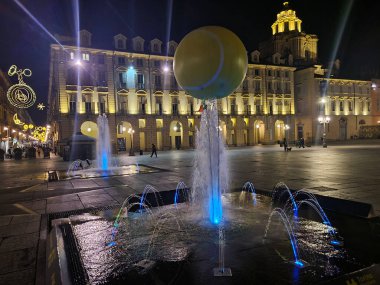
(25, 44)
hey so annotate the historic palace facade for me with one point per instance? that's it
(283, 94)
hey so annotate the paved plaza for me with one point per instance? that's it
(348, 172)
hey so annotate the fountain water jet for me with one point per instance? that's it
(288, 226)
(103, 146)
(210, 178)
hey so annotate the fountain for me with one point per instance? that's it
(103, 145)
(166, 244)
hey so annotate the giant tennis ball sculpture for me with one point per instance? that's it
(210, 62)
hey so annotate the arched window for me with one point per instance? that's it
(120, 44)
(155, 48)
(171, 49)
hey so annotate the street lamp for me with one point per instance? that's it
(131, 132)
(324, 120)
(286, 132)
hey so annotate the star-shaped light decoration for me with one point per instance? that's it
(40, 106)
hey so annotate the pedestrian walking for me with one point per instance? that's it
(154, 150)
(302, 142)
(285, 143)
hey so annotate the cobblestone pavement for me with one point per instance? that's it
(348, 172)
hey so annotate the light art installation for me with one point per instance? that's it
(17, 121)
(21, 95)
(40, 106)
(28, 127)
(39, 133)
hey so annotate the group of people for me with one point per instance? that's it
(300, 143)
(37, 151)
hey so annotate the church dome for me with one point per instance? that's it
(287, 21)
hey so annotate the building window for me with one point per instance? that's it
(171, 50)
(142, 104)
(174, 105)
(71, 55)
(333, 106)
(369, 106)
(350, 106)
(278, 74)
(157, 63)
(120, 44)
(121, 60)
(158, 106)
(86, 56)
(123, 104)
(140, 81)
(173, 84)
(257, 72)
(102, 78)
(138, 46)
(139, 62)
(73, 103)
(101, 58)
(257, 86)
(122, 80)
(269, 72)
(157, 82)
(233, 107)
(270, 89)
(102, 104)
(287, 74)
(341, 106)
(155, 48)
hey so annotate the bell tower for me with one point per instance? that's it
(289, 42)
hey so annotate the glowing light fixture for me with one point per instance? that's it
(166, 68)
(257, 126)
(88, 129)
(40, 106)
(323, 100)
(13, 131)
(20, 95)
(17, 121)
(78, 62)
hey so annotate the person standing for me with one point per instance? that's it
(154, 150)
(285, 145)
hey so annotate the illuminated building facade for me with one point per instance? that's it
(137, 90)
(134, 85)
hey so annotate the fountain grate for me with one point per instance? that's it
(74, 263)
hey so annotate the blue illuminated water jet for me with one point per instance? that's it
(103, 144)
(289, 229)
(210, 177)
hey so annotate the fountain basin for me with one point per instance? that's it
(179, 246)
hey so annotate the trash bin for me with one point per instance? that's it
(141, 152)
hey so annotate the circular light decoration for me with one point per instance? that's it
(21, 95)
(40, 106)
